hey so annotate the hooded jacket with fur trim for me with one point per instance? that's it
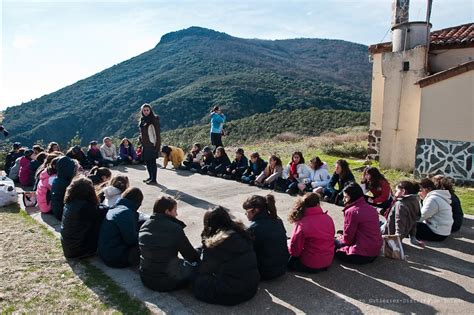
(228, 274)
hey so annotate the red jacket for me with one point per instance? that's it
(361, 230)
(382, 193)
(24, 173)
(313, 239)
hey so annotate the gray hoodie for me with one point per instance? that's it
(436, 212)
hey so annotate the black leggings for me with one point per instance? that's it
(152, 169)
(295, 264)
(355, 259)
(423, 232)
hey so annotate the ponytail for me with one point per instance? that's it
(271, 208)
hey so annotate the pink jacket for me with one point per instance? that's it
(25, 172)
(44, 202)
(361, 230)
(313, 239)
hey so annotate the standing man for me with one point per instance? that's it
(217, 125)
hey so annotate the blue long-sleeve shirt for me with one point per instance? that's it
(217, 122)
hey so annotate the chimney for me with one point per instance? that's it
(400, 10)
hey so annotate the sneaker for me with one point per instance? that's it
(151, 182)
(146, 180)
(193, 170)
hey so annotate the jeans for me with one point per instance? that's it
(423, 232)
(152, 169)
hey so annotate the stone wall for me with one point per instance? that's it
(451, 158)
(373, 151)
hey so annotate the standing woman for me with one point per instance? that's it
(151, 141)
(217, 125)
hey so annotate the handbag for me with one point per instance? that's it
(392, 247)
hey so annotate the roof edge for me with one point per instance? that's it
(446, 74)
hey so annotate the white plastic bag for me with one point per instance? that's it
(8, 194)
(392, 247)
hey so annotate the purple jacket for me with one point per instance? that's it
(24, 173)
(361, 230)
(124, 152)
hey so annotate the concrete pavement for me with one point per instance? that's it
(435, 279)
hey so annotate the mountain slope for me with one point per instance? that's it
(191, 70)
(302, 122)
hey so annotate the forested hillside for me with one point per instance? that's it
(191, 70)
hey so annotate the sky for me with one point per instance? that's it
(47, 45)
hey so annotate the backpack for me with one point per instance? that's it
(8, 194)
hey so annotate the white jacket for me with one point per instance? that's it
(302, 170)
(112, 195)
(319, 177)
(436, 212)
(108, 153)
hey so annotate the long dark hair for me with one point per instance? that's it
(81, 189)
(218, 219)
(376, 177)
(427, 183)
(263, 204)
(300, 155)
(317, 162)
(345, 170)
(148, 119)
(164, 203)
(354, 191)
(443, 182)
(96, 174)
(309, 200)
(277, 161)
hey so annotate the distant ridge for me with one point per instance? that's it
(191, 70)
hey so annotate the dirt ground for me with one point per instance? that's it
(36, 278)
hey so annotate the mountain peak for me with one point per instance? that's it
(194, 31)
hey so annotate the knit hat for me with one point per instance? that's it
(207, 149)
(16, 145)
(93, 142)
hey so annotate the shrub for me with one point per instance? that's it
(347, 149)
(288, 137)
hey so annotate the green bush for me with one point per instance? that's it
(349, 149)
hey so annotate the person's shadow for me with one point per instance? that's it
(187, 198)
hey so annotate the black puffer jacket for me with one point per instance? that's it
(458, 214)
(270, 244)
(228, 274)
(66, 169)
(80, 228)
(161, 238)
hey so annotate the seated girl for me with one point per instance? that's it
(237, 168)
(270, 174)
(318, 176)
(443, 182)
(127, 153)
(118, 237)
(219, 164)
(34, 166)
(228, 274)
(296, 172)
(194, 158)
(405, 212)
(269, 236)
(112, 193)
(161, 238)
(76, 153)
(256, 167)
(173, 154)
(53, 147)
(312, 243)
(82, 218)
(207, 160)
(341, 177)
(24, 173)
(436, 213)
(361, 241)
(94, 157)
(43, 188)
(99, 175)
(66, 170)
(379, 187)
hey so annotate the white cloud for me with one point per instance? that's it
(23, 41)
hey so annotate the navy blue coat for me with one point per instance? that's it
(119, 233)
(270, 245)
(66, 169)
